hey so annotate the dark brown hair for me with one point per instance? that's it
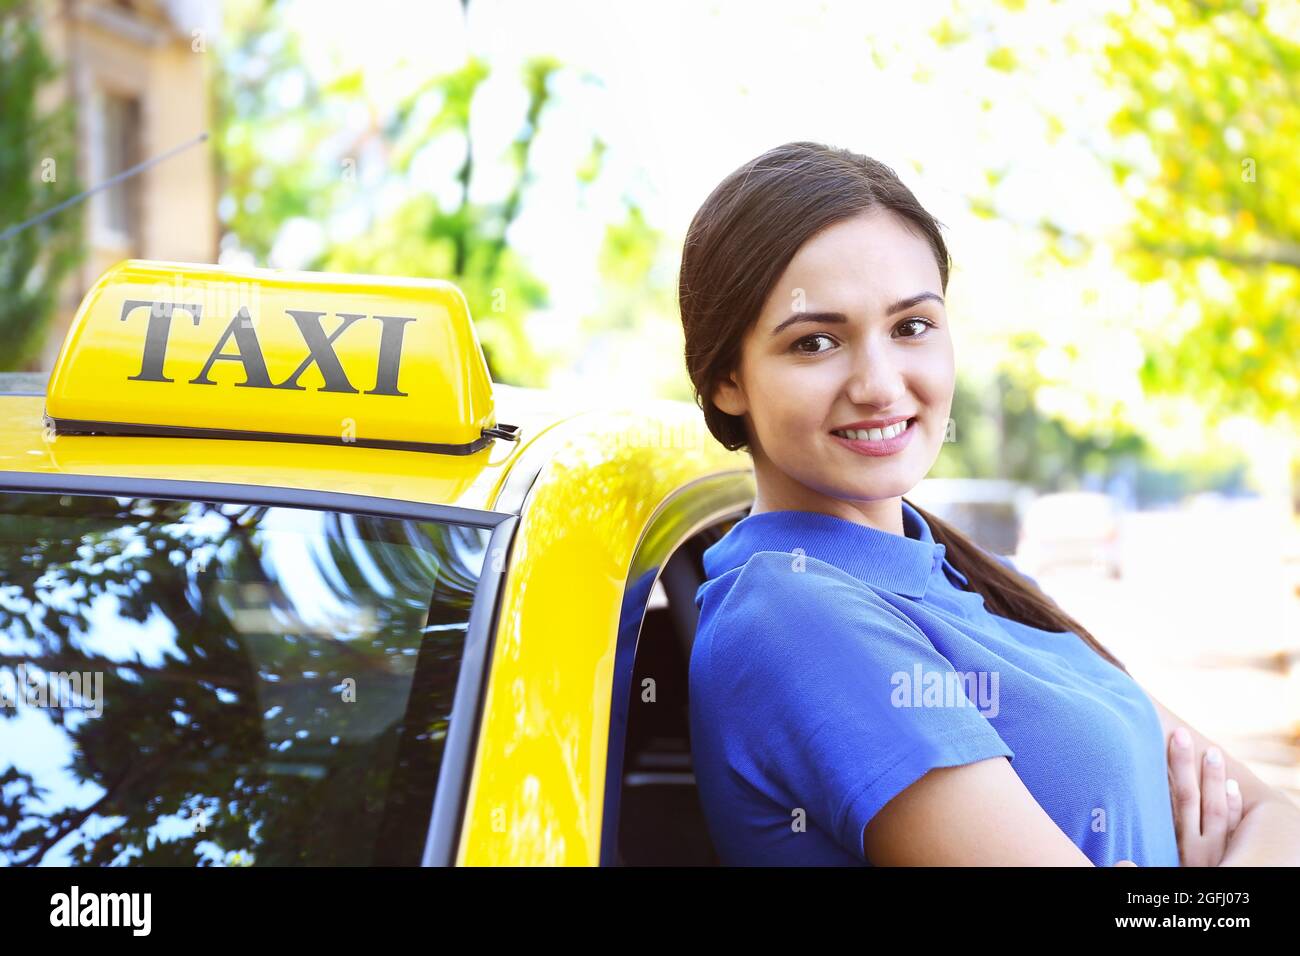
(740, 242)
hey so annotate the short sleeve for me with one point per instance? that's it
(834, 699)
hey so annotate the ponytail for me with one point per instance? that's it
(1005, 592)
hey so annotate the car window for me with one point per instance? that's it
(186, 682)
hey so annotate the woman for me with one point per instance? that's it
(867, 684)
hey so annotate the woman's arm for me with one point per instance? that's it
(1269, 831)
(1253, 789)
(976, 814)
(1268, 836)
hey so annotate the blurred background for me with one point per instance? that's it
(1114, 179)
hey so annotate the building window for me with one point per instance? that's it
(116, 142)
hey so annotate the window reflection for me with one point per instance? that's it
(276, 682)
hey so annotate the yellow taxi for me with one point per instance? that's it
(285, 578)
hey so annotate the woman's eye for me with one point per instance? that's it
(919, 325)
(798, 345)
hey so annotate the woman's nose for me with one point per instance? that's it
(877, 378)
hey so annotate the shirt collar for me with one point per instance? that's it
(903, 564)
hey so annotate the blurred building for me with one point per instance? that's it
(139, 75)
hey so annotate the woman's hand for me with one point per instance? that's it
(1206, 812)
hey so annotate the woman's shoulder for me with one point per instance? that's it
(795, 578)
(793, 598)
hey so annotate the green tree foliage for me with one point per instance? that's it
(1202, 142)
(37, 172)
(464, 241)
(1195, 123)
(1212, 88)
(291, 148)
(636, 325)
(273, 121)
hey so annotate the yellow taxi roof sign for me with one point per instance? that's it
(177, 348)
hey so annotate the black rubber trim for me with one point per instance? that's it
(69, 426)
(636, 601)
(452, 790)
(452, 795)
(236, 493)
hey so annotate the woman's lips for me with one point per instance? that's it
(880, 447)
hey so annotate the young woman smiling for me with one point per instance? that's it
(837, 618)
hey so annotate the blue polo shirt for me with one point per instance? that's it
(835, 664)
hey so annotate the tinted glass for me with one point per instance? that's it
(206, 683)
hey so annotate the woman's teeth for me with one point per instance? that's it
(873, 434)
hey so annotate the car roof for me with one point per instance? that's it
(397, 403)
(473, 481)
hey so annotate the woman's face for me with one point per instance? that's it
(852, 336)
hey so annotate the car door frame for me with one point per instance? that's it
(693, 508)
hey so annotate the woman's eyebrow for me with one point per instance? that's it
(839, 318)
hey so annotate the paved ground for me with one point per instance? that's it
(1206, 616)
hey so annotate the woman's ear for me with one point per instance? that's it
(729, 397)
